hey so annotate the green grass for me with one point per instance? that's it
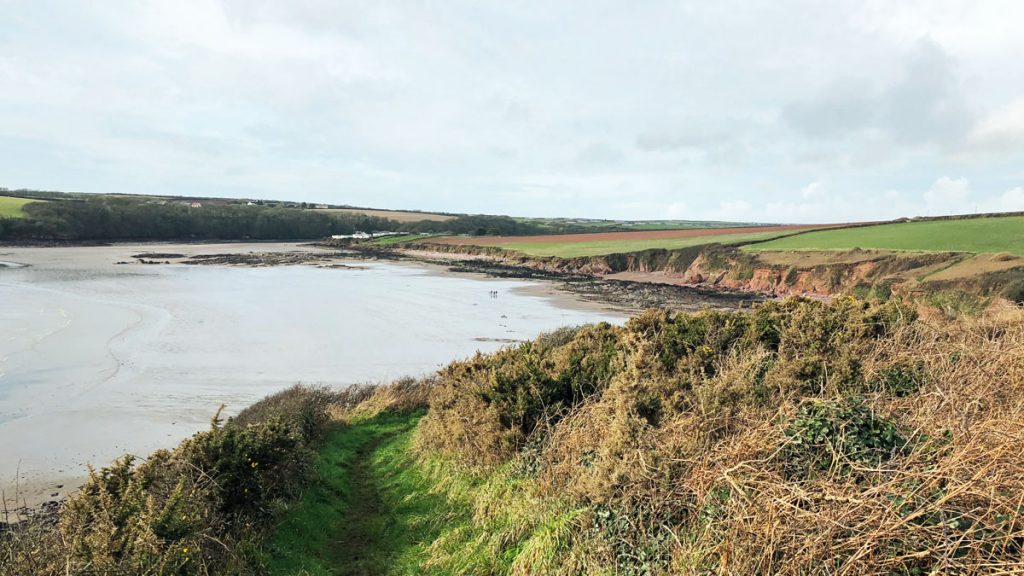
(603, 247)
(1003, 234)
(308, 538)
(11, 207)
(376, 508)
(392, 240)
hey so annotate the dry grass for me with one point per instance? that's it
(700, 460)
(978, 265)
(810, 258)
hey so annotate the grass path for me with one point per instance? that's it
(377, 509)
(354, 545)
(368, 511)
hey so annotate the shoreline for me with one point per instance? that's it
(571, 292)
(40, 487)
(624, 293)
(630, 294)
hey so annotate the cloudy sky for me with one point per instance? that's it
(789, 111)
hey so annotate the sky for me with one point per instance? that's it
(773, 111)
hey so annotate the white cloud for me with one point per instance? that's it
(1001, 128)
(948, 196)
(813, 191)
(922, 104)
(1009, 201)
(533, 108)
(678, 211)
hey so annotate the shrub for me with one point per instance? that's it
(198, 509)
(835, 436)
(899, 379)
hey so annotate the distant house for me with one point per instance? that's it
(322, 206)
(196, 205)
(250, 203)
(356, 236)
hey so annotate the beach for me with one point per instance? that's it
(102, 355)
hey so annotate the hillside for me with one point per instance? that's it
(604, 243)
(109, 217)
(797, 438)
(964, 263)
(975, 235)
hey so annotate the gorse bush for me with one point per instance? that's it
(197, 509)
(496, 402)
(798, 438)
(801, 437)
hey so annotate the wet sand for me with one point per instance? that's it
(98, 359)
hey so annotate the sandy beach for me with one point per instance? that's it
(99, 359)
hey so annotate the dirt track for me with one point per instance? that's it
(606, 236)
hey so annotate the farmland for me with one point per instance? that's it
(396, 215)
(597, 244)
(584, 225)
(11, 207)
(978, 235)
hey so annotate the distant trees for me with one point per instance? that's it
(74, 217)
(124, 218)
(477, 225)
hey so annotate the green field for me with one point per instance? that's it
(1003, 234)
(603, 247)
(11, 207)
(392, 240)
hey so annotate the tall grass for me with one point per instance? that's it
(802, 438)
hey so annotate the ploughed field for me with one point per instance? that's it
(396, 215)
(600, 243)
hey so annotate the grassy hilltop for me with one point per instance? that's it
(976, 235)
(967, 234)
(800, 437)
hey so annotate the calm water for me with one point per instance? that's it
(96, 361)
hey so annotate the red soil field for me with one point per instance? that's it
(638, 235)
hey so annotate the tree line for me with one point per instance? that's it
(104, 218)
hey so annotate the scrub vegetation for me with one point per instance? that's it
(799, 437)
